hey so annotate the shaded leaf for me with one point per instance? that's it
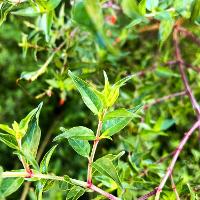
(105, 167)
(75, 192)
(45, 161)
(9, 140)
(82, 147)
(10, 185)
(31, 140)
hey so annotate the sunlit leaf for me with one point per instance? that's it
(9, 140)
(79, 132)
(92, 101)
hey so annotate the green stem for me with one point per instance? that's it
(58, 178)
(94, 148)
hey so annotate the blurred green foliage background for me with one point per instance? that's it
(120, 40)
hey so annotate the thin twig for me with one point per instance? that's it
(174, 188)
(189, 35)
(182, 72)
(91, 158)
(167, 97)
(175, 157)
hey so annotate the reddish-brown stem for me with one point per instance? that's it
(174, 188)
(91, 158)
(25, 174)
(189, 35)
(182, 72)
(159, 100)
(195, 68)
(174, 159)
(146, 196)
(102, 192)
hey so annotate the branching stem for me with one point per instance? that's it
(59, 178)
(94, 148)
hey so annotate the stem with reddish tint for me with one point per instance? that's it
(83, 184)
(174, 159)
(91, 158)
(174, 188)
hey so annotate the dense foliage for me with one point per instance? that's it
(114, 91)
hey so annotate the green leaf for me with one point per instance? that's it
(45, 161)
(152, 4)
(163, 124)
(95, 12)
(32, 76)
(90, 98)
(130, 8)
(7, 129)
(79, 132)
(80, 16)
(105, 167)
(30, 141)
(113, 126)
(9, 140)
(1, 179)
(5, 8)
(166, 72)
(48, 5)
(45, 24)
(142, 7)
(115, 121)
(75, 192)
(29, 158)
(10, 185)
(195, 10)
(23, 125)
(82, 147)
(119, 113)
(27, 12)
(165, 29)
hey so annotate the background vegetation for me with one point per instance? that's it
(158, 41)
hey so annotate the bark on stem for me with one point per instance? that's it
(59, 178)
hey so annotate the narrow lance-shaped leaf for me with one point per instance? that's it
(45, 161)
(7, 129)
(165, 29)
(79, 132)
(105, 167)
(130, 8)
(9, 140)
(75, 192)
(90, 98)
(82, 147)
(10, 185)
(31, 140)
(116, 121)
